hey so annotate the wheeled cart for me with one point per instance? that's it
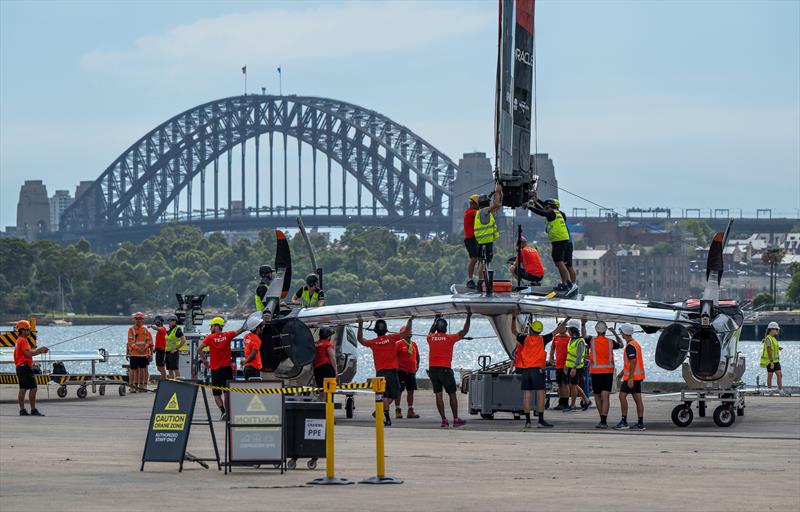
(731, 405)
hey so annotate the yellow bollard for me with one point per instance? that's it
(329, 387)
(379, 386)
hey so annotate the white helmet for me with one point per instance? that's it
(253, 321)
(626, 329)
(574, 324)
(600, 327)
(773, 325)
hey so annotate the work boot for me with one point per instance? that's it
(387, 421)
(471, 284)
(23, 412)
(35, 412)
(398, 413)
(411, 413)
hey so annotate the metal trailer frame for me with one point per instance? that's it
(731, 405)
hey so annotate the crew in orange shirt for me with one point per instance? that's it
(139, 353)
(161, 345)
(531, 268)
(23, 360)
(407, 365)
(252, 353)
(558, 358)
(440, 361)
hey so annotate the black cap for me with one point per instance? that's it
(312, 279)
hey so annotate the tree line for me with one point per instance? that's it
(363, 264)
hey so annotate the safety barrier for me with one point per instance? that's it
(11, 378)
(284, 391)
(378, 385)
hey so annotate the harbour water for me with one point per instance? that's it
(466, 353)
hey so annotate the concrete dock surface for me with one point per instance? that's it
(85, 455)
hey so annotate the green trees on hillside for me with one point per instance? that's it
(363, 264)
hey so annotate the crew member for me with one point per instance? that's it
(469, 238)
(219, 348)
(558, 358)
(407, 364)
(440, 361)
(175, 342)
(631, 378)
(23, 360)
(310, 295)
(558, 232)
(485, 231)
(252, 352)
(265, 272)
(530, 269)
(324, 363)
(771, 356)
(576, 359)
(139, 353)
(384, 353)
(161, 345)
(532, 360)
(601, 366)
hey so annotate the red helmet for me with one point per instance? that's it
(23, 324)
(138, 315)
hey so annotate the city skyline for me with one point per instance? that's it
(620, 88)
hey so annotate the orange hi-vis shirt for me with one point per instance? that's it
(601, 355)
(560, 343)
(252, 343)
(532, 353)
(637, 373)
(20, 347)
(140, 341)
(532, 262)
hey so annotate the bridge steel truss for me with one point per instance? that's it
(408, 179)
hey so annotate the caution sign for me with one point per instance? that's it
(255, 424)
(170, 422)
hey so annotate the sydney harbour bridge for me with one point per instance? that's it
(257, 161)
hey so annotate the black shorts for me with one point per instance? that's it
(392, 382)
(26, 377)
(577, 379)
(139, 362)
(408, 380)
(251, 373)
(525, 276)
(325, 371)
(561, 377)
(602, 382)
(472, 247)
(442, 377)
(776, 367)
(220, 377)
(533, 379)
(160, 355)
(487, 251)
(637, 387)
(173, 360)
(562, 251)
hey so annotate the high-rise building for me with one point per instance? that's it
(548, 184)
(58, 203)
(33, 210)
(474, 177)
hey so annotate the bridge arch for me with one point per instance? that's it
(402, 172)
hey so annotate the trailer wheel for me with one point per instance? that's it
(473, 411)
(312, 464)
(61, 391)
(292, 464)
(81, 392)
(724, 416)
(349, 405)
(102, 390)
(682, 415)
(487, 416)
(122, 390)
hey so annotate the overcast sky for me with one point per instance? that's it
(680, 104)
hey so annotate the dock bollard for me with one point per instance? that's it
(379, 386)
(329, 387)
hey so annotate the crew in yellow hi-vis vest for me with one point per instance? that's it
(486, 232)
(560, 240)
(771, 356)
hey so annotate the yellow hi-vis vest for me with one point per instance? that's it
(557, 229)
(485, 233)
(173, 342)
(309, 301)
(575, 360)
(772, 342)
